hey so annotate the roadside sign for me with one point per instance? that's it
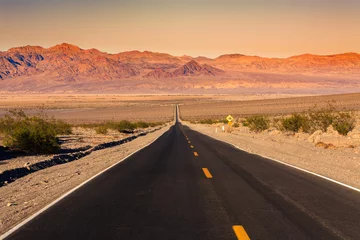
(229, 118)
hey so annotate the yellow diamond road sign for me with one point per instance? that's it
(229, 118)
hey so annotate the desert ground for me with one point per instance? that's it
(88, 155)
(220, 109)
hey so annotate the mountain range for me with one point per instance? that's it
(34, 67)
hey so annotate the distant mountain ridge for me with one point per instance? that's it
(69, 62)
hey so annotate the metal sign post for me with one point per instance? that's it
(230, 123)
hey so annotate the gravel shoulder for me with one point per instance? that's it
(25, 196)
(340, 162)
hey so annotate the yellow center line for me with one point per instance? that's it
(189, 142)
(192, 146)
(240, 232)
(207, 173)
(196, 154)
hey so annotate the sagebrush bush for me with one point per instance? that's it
(344, 123)
(142, 124)
(296, 122)
(101, 129)
(321, 120)
(257, 123)
(208, 121)
(30, 134)
(61, 127)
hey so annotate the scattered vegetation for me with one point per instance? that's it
(308, 122)
(295, 123)
(344, 123)
(39, 134)
(210, 121)
(36, 134)
(123, 126)
(257, 123)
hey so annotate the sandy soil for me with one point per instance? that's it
(77, 108)
(340, 161)
(221, 109)
(26, 195)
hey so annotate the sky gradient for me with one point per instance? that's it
(277, 28)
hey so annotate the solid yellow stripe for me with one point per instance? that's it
(240, 232)
(207, 173)
(196, 154)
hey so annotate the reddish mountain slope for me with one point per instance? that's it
(192, 68)
(69, 62)
(63, 61)
(307, 63)
(158, 73)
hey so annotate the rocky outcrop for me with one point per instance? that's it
(193, 68)
(158, 73)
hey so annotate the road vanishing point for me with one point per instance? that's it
(186, 185)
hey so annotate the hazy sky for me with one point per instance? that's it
(275, 28)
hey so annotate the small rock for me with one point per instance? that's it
(26, 164)
(315, 137)
(10, 204)
(330, 130)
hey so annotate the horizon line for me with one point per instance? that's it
(184, 55)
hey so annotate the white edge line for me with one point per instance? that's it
(287, 164)
(12, 230)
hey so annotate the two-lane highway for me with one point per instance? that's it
(189, 186)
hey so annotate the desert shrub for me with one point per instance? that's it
(257, 123)
(61, 127)
(125, 125)
(155, 124)
(101, 129)
(30, 134)
(236, 125)
(142, 124)
(344, 123)
(321, 120)
(245, 123)
(277, 123)
(213, 121)
(208, 121)
(296, 122)
(122, 126)
(224, 121)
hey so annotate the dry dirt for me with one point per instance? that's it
(329, 154)
(27, 195)
(89, 108)
(221, 109)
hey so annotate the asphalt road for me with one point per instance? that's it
(200, 189)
